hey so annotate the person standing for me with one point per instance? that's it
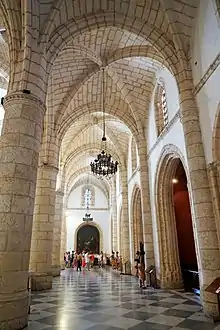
(87, 260)
(141, 267)
(92, 259)
(79, 262)
(102, 260)
(71, 259)
(83, 261)
(117, 259)
(137, 262)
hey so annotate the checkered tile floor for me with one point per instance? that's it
(102, 300)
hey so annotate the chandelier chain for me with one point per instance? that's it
(103, 102)
(103, 166)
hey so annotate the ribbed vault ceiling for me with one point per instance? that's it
(132, 64)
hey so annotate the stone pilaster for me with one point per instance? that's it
(42, 233)
(63, 242)
(171, 276)
(125, 219)
(204, 222)
(145, 202)
(19, 151)
(214, 182)
(57, 229)
(114, 217)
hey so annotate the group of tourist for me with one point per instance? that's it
(84, 260)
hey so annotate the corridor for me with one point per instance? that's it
(103, 300)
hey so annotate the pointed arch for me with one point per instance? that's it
(136, 220)
(168, 266)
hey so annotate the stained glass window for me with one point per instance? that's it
(87, 197)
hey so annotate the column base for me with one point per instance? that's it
(171, 278)
(14, 311)
(62, 266)
(210, 304)
(126, 269)
(170, 285)
(41, 281)
(55, 271)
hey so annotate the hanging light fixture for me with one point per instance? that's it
(103, 166)
(87, 216)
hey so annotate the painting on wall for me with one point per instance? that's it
(88, 239)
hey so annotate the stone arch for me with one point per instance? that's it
(216, 136)
(168, 270)
(94, 224)
(136, 220)
(80, 112)
(81, 180)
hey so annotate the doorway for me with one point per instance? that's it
(88, 238)
(176, 264)
(184, 230)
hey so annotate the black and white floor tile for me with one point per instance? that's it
(103, 300)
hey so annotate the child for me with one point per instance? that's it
(83, 262)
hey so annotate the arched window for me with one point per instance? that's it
(164, 107)
(88, 196)
(161, 111)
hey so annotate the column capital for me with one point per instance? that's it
(23, 97)
(60, 193)
(213, 166)
(48, 167)
(216, 163)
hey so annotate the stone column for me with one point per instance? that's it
(42, 233)
(203, 217)
(125, 219)
(19, 150)
(114, 217)
(63, 241)
(57, 228)
(145, 203)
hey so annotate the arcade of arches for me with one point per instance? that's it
(162, 73)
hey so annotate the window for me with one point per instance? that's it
(161, 110)
(164, 107)
(88, 196)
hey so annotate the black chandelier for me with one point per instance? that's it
(103, 166)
